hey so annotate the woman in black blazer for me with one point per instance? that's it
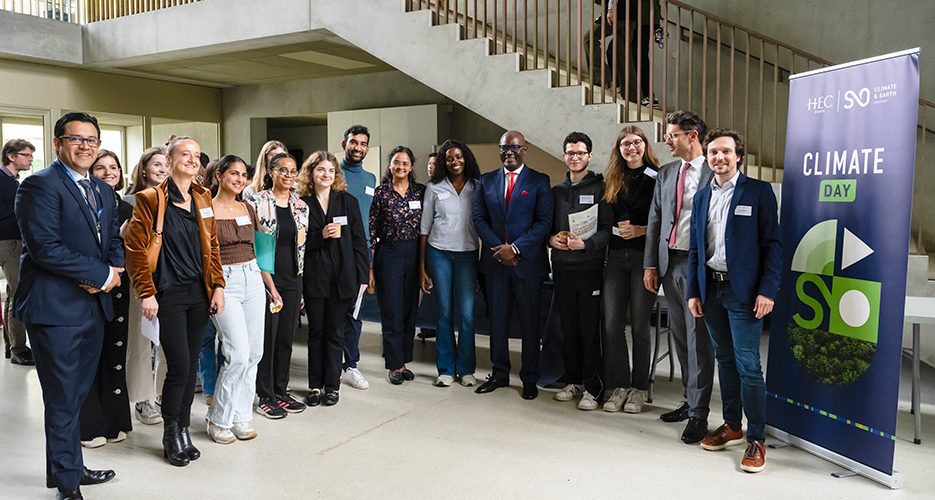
(337, 270)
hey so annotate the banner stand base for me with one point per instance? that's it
(894, 482)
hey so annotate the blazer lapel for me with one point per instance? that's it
(738, 192)
(705, 203)
(706, 175)
(520, 184)
(72, 188)
(500, 188)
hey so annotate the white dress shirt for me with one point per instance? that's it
(692, 178)
(506, 178)
(718, 211)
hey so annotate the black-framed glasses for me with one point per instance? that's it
(513, 148)
(635, 144)
(575, 154)
(287, 172)
(25, 155)
(76, 140)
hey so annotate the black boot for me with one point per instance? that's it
(172, 448)
(190, 450)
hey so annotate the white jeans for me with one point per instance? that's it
(240, 331)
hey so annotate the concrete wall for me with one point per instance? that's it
(48, 40)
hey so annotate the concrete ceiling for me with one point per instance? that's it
(315, 59)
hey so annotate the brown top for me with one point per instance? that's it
(236, 237)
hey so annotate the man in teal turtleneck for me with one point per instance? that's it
(360, 184)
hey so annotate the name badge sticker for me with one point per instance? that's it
(340, 220)
(586, 199)
(415, 205)
(616, 231)
(243, 220)
(745, 210)
(368, 191)
(206, 213)
(444, 195)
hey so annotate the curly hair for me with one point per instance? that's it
(471, 169)
(305, 182)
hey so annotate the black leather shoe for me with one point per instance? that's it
(396, 378)
(88, 477)
(24, 358)
(695, 430)
(190, 450)
(408, 376)
(172, 448)
(530, 391)
(492, 384)
(331, 398)
(313, 398)
(677, 415)
(74, 494)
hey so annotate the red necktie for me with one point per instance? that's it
(509, 190)
(679, 193)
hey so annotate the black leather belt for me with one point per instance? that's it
(680, 253)
(717, 275)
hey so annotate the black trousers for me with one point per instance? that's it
(272, 376)
(326, 320)
(66, 360)
(183, 316)
(580, 309)
(506, 293)
(396, 272)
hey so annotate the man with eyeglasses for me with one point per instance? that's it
(666, 259)
(578, 252)
(73, 258)
(512, 214)
(17, 157)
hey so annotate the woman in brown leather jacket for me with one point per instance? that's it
(186, 286)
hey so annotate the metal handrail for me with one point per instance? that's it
(87, 11)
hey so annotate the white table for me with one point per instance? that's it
(919, 311)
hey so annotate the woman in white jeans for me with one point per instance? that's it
(240, 328)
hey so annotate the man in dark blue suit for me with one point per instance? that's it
(512, 215)
(735, 258)
(72, 258)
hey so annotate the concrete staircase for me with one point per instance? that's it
(464, 71)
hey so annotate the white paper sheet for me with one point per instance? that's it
(150, 329)
(583, 224)
(360, 298)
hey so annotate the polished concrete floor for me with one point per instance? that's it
(418, 441)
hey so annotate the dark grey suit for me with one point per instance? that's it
(692, 343)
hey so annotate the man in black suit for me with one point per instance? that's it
(72, 259)
(512, 214)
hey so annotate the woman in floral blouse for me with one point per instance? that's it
(395, 219)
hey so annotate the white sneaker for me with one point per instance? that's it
(356, 380)
(95, 443)
(617, 399)
(220, 435)
(120, 437)
(243, 431)
(147, 413)
(468, 381)
(444, 380)
(588, 402)
(634, 402)
(569, 392)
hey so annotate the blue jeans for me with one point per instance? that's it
(735, 334)
(454, 280)
(208, 364)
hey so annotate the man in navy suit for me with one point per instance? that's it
(512, 214)
(72, 259)
(735, 260)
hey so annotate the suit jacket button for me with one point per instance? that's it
(117, 391)
(120, 319)
(98, 255)
(119, 343)
(118, 367)
(119, 295)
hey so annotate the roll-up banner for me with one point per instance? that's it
(836, 336)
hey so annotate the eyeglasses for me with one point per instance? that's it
(25, 155)
(76, 140)
(285, 171)
(575, 154)
(515, 148)
(666, 137)
(635, 144)
(397, 163)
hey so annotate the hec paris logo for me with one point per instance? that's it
(851, 98)
(837, 350)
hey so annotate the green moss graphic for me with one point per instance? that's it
(828, 358)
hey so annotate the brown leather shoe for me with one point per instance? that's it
(754, 459)
(721, 438)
